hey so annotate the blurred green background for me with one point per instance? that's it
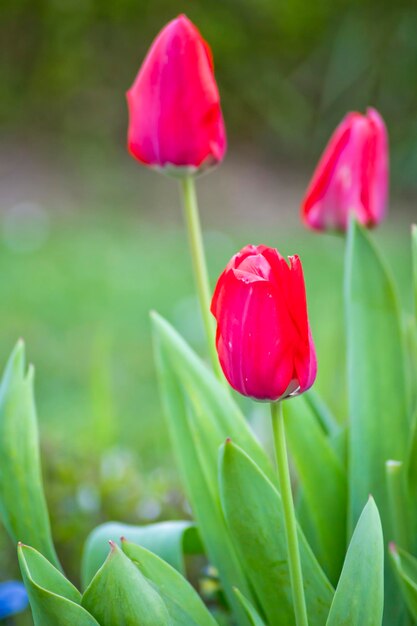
(288, 71)
(90, 241)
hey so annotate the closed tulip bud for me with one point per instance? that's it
(175, 119)
(351, 177)
(263, 335)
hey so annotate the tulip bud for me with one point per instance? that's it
(175, 119)
(351, 176)
(263, 335)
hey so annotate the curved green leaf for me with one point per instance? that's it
(253, 511)
(253, 615)
(53, 599)
(120, 594)
(411, 465)
(405, 567)
(169, 540)
(324, 484)
(215, 413)
(359, 596)
(377, 389)
(379, 420)
(179, 596)
(322, 413)
(201, 415)
(23, 506)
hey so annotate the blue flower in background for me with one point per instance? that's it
(13, 598)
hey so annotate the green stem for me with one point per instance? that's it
(296, 575)
(195, 239)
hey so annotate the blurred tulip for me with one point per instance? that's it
(351, 176)
(13, 598)
(263, 336)
(175, 119)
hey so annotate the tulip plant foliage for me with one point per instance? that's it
(335, 546)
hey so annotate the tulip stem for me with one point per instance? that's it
(192, 220)
(294, 562)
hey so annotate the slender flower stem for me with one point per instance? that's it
(195, 239)
(296, 575)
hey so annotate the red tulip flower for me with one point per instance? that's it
(351, 177)
(175, 119)
(263, 335)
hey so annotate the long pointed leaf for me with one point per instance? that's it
(405, 567)
(120, 594)
(253, 511)
(377, 390)
(359, 596)
(251, 612)
(173, 588)
(53, 599)
(323, 481)
(212, 404)
(22, 501)
(376, 377)
(201, 415)
(322, 413)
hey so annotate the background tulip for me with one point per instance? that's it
(263, 336)
(351, 176)
(174, 104)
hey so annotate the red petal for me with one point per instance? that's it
(174, 105)
(254, 338)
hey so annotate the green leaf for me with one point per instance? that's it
(411, 464)
(253, 510)
(410, 339)
(179, 596)
(120, 594)
(359, 597)
(379, 423)
(322, 413)
(23, 506)
(169, 540)
(323, 481)
(214, 411)
(414, 259)
(377, 389)
(201, 415)
(253, 615)
(53, 599)
(405, 567)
